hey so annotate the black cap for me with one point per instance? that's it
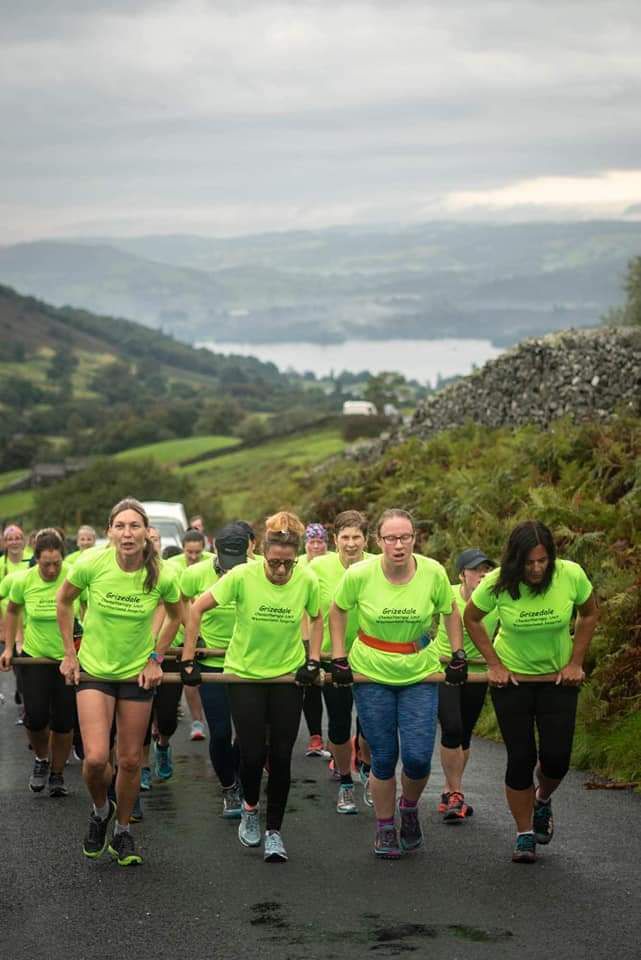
(249, 530)
(472, 558)
(232, 542)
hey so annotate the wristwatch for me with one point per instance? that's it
(156, 657)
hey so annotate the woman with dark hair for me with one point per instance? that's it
(271, 595)
(48, 702)
(350, 538)
(395, 597)
(124, 586)
(316, 543)
(536, 597)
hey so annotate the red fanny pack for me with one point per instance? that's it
(414, 647)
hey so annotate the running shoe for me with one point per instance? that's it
(232, 802)
(524, 849)
(164, 766)
(197, 730)
(316, 747)
(136, 813)
(386, 845)
(543, 822)
(442, 807)
(145, 778)
(345, 802)
(411, 833)
(123, 849)
(456, 808)
(39, 775)
(57, 785)
(274, 847)
(367, 790)
(95, 841)
(333, 772)
(249, 828)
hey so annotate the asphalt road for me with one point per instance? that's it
(200, 895)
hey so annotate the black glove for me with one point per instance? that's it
(456, 670)
(340, 671)
(194, 677)
(308, 673)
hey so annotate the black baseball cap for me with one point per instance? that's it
(232, 542)
(472, 558)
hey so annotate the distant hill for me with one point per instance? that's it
(425, 281)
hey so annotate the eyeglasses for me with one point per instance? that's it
(391, 539)
(275, 564)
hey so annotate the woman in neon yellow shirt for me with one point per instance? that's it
(536, 596)
(124, 586)
(271, 596)
(49, 703)
(350, 538)
(396, 598)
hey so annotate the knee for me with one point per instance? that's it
(384, 763)
(452, 738)
(129, 763)
(554, 765)
(417, 766)
(520, 771)
(95, 762)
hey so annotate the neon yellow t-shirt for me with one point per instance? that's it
(180, 560)
(5, 590)
(217, 625)
(7, 568)
(534, 632)
(117, 638)
(441, 640)
(37, 597)
(396, 613)
(329, 571)
(266, 641)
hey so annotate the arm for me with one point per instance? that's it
(586, 621)
(454, 628)
(192, 627)
(11, 624)
(315, 635)
(337, 630)
(69, 666)
(151, 674)
(497, 675)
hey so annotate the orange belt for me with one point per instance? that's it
(414, 647)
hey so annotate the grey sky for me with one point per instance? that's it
(213, 117)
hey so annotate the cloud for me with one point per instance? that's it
(154, 107)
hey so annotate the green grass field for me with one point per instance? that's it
(13, 506)
(251, 482)
(12, 476)
(172, 452)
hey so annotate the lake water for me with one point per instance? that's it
(422, 360)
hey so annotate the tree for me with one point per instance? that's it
(385, 387)
(88, 496)
(219, 416)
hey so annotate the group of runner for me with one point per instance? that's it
(277, 624)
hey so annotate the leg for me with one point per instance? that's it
(248, 703)
(166, 709)
(222, 753)
(514, 707)
(95, 717)
(37, 684)
(451, 720)
(313, 710)
(555, 721)
(377, 711)
(338, 701)
(132, 720)
(192, 696)
(63, 714)
(417, 710)
(285, 704)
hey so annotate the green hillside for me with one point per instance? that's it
(76, 384)
(173, 452)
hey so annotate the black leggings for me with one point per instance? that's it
(166, 703)
(458, 710)
(339, 702)
(313, 710)
(255, 709)
(48, 701)
(549, 708)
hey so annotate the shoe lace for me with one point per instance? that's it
(388, 836)
(347, 793)
(455, 799)
(526, 842)
(273, 842)
(125, 842)
(40, 767)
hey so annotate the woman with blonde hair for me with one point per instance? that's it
(271, 596)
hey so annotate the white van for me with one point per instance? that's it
(169, 519)
(359, 408)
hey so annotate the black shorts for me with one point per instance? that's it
(118, 689)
